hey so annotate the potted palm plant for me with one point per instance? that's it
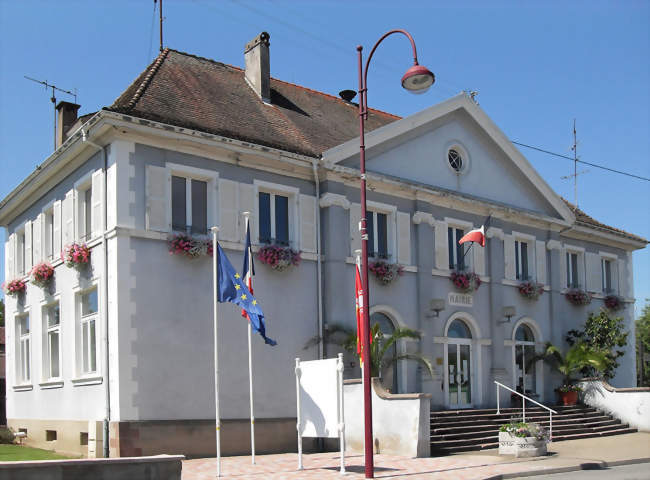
(577, 357)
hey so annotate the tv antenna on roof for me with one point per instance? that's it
(53, 98)
(575, 173)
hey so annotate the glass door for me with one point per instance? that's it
(459, 384)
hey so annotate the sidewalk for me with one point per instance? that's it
(564, 456)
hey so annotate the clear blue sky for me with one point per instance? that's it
(536, 66)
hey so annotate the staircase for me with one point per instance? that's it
(465, 430)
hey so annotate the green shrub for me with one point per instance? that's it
(6, 435)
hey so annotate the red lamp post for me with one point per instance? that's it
(417, 79)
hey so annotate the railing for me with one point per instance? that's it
(523, 407)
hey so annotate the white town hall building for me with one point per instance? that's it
(192, 143)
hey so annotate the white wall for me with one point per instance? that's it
(630, 405)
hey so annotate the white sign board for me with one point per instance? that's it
(319, 398)
(460, 299)
(319, 401)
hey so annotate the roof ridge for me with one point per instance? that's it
(148, 77)
(211, 60)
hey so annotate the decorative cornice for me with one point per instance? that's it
(494, 232)
(423, 217)
(334, 199)
(553, 245)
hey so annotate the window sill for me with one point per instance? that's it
(407, 268)
(516, 283)
(23, 388)
(83, 381)
(447, 273)
(51, 384)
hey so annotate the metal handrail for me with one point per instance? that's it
(523, 407)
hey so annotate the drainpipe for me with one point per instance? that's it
(107, 390)
(321, 344)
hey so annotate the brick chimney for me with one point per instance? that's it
(258, 70)
(66, 116)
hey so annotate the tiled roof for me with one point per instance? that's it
(583, 218)
(193, 92)
(198, 93)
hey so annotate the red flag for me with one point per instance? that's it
(477, 235)
(359, 310)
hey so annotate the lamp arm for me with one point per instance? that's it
(372, 52)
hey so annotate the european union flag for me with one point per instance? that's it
(232, 289)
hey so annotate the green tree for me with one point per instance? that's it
(578, 357)
(643, 346)
(381, 356)
(604, 333)
(2, 312)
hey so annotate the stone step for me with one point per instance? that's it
(557, 431)
(494, 426)
(479, 411)
(499, 420)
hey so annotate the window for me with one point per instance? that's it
(274, 218)
(89, 331)
(455, 160)
(48, 235)
(572, 278)
(457, 257)
(52, 344)
(377, 228)
(521, 260)
(607, 275)
(189, 205)
(23, 373)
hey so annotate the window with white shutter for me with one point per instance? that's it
(67, 219)
(441, 245)
(28, 258)
(56, 229)
(355, 235)
(247, 202)
(574, 264)
(37, 239)
(404, 238)
(20, 253)
(10, 257)
(277, 214)
(228, 210)
(192, 199)
(540, 261)
(97, 201)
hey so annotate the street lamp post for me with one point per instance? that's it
(417, 79)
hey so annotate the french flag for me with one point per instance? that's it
(477, 236)
(249, 268)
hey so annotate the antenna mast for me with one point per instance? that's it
(575, 174)
(53, 97)
(161, 25)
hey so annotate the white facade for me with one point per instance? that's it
(153, 327)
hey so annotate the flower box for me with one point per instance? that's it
(614, 302)
(278, 258)
(386, 272)
(465, 282)
(531, 290)
(14, 287)
(578, 297)
(76, 255)
(522, 439)
(521, 446)
(189, 246)
(42, 275)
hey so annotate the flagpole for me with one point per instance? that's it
(215, 281)
(250, 350)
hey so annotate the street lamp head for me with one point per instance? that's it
(418, 79)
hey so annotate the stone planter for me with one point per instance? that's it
(521, 446)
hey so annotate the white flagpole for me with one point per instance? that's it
(215, 281)
(250, 350)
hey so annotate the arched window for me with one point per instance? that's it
(459, 329)
(386, 326)
(525, 371)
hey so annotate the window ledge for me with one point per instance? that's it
(447, 273)
(407, 268)
(83, 381)
(51, 384)
(516, 283)
(23, 388)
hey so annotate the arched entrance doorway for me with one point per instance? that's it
(527, 376)
(459, 368)
(389, 373)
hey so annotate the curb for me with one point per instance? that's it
(572, 468)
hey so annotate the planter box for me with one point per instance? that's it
(521, 446)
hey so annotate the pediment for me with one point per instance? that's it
(416, 150)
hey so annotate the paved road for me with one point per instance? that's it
(639, 471)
